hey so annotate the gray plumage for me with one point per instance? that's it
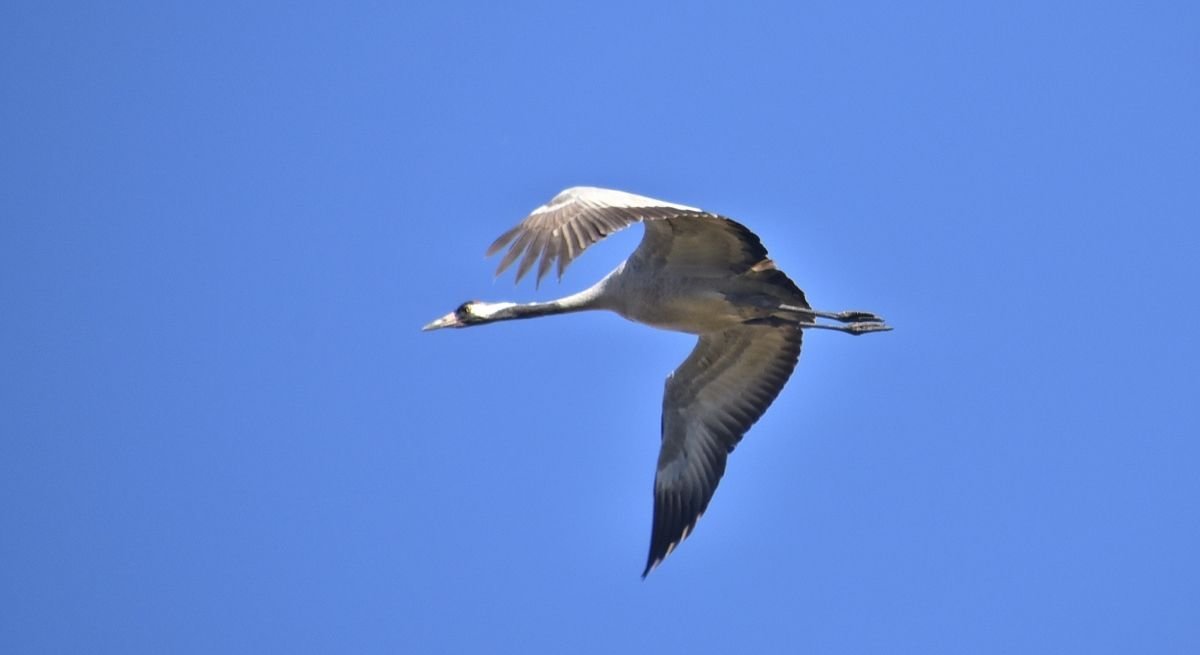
(693, 272)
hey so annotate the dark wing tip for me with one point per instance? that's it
(675, 516)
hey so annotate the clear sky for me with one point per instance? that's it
(221, 430)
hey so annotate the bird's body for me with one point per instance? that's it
(673, 302)
(693, 272)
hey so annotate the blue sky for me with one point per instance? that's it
(222, 430)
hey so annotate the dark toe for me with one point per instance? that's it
(859, 317)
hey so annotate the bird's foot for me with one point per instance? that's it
(857, 317)
(867, 326)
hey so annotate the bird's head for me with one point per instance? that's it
(472, 312)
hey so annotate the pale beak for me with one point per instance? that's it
(449, 320)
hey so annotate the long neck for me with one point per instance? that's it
(591, 298)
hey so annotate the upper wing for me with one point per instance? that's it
(710, 402)
(559, 230)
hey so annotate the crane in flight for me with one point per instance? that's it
(693, 272)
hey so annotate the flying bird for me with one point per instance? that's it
(695, 272)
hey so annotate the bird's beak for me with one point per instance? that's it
(449, 320)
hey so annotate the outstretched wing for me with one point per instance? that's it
(710, 402)
(558, 231)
